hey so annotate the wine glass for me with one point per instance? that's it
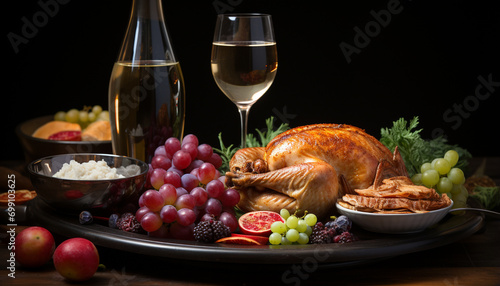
(244, 60)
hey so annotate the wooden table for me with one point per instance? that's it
(474, 260)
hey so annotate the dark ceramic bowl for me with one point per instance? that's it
(35, 148)
(98, 196)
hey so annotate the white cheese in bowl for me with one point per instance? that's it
(94, 170)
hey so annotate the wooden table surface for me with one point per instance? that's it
(474, 260)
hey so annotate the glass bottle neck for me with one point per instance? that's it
(146, 38)
(147, 9)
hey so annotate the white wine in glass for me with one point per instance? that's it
(244, 60)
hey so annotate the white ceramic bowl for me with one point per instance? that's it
(395, 223)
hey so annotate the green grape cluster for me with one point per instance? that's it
(84, 116)
(442, 175)
(295, 230)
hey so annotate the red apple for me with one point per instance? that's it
(76, 259)
(34, 246)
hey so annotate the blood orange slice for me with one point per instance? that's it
(258, 222)
(239, 240)
(68, 135)
(261, 239)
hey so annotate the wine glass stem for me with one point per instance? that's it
(244, 123)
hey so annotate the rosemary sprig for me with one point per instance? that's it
(226, 153)
(264, 137)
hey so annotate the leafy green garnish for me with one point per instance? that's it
(489, 197)
(226, 153)
(264, 138)
(267, 135)
(414, 149)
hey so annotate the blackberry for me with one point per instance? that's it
(344, 237)
(211, 231)
(203, 232)
(321, 234)
(128, 222)
(340, 224)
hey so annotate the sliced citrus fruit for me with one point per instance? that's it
(261, 239)
(67, 135)
(258, 222)
(238, 240)
(19, 197)
(53, 127)
(96, 131)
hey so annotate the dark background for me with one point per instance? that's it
(424, 62)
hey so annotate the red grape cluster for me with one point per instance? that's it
(184, 186)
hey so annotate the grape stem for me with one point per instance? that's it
(101, 218)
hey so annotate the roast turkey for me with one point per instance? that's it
(307, 168)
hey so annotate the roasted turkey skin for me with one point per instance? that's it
(309, 167)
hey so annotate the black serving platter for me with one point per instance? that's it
(370, 247)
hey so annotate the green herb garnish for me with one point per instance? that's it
(489, 197)
(414, 149)
(226, 153)
(264, 138)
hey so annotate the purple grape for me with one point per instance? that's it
(160, 150)
(168, 214)
(205, 152)
(194, 165)
(190, 138)
(173, 178)
(169, 194)
(229, 220)
(186, 216)
(172, 145)
(216, 160)
(200, 195)
(151, 222)
(179, 231)
(189, 182)
(161, 161)
(206, 173)
(181, 160)
(213, 206)
(153, 200)
(157, 178)
(141, 212)
(191, 149)
(215, 188)
(230, 197)
(185, 201)
(181, 191)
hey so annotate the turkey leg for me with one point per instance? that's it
(312, 185)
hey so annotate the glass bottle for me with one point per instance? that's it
(146, 90)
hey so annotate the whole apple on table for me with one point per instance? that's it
(76, 259)
(34, 246)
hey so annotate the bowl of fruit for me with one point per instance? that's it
(75, 131)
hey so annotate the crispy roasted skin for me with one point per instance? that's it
(309, 167)
(399, 187)
(388, 204)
